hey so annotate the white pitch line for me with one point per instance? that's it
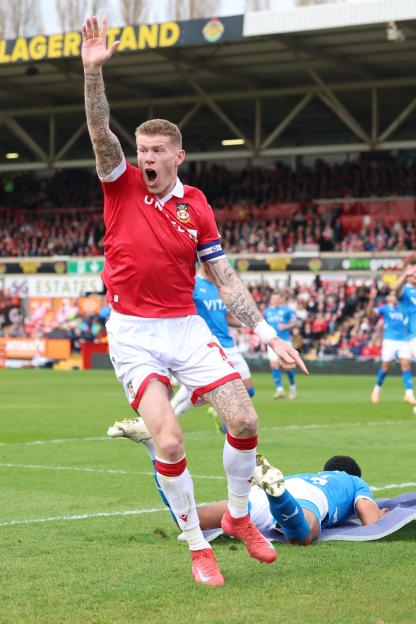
(99, 514)
(392, 486)
(138, 512)
(374, 488)
(57, 441)
(99, 470)
(375, 423)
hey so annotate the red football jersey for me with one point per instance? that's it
(151, 250)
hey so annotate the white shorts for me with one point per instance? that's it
(142, 349)
(235, 357)
(412, 347)
(272, 355)
(309, 496)
(395, 349)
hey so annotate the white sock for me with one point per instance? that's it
(239, 466)
(183, 406)
(179, 492)
(180, 396)
(150, 448)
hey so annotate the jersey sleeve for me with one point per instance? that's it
(362, 490)
(209, 243)
(404, 296)
(116, 181)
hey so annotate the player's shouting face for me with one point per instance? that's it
(158, 157)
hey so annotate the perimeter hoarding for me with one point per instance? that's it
(132, 37)
(26, 348)
(89, 269)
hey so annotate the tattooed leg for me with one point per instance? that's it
(239, 455)
(234, 406)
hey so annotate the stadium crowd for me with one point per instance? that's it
(331, 321)
(62, 214)
(306, 229)
(43, 215)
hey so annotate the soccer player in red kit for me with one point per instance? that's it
(155, 229)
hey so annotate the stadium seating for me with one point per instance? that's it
(363, 205)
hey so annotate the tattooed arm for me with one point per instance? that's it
(233, 292)
(107, 148)
(239, 301)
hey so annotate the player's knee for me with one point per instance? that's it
(247, 425)
(170, 447)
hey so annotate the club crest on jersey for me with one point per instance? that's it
(182, 213)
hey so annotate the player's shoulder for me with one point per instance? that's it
(193, 193)
(359, 482)
(131, 173)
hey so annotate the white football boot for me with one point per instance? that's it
(279, 394)
(268, 477)
(132, 428)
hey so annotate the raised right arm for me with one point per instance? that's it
(107, 148)
(398, 287)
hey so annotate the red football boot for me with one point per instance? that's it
(204, 567)
(243, 529)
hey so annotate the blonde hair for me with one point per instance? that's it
(160, 126)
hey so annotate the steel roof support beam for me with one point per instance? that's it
(216, 69)
(374, 116)
(296, 45)
(21, 134)
(287, 120)
(121, 130)
(219, 112)
(318, 150)
(52, 138)
(398, 121)
(74, 138)
(257, 125)
(188, 116)
(337, 107)
(233, 96)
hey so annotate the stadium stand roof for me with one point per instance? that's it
(327, 83)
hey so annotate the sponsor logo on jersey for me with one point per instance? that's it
(182, 213)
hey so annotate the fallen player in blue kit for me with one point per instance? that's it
(299, 505)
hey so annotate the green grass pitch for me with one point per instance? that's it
(118, 567)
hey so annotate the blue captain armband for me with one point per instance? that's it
(210, 251)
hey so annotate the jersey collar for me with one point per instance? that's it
(177, 191)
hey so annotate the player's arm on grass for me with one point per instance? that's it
(368, 511)
(210, 515)
(107, 148)
(239, 301)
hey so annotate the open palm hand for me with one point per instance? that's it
(94, 43)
